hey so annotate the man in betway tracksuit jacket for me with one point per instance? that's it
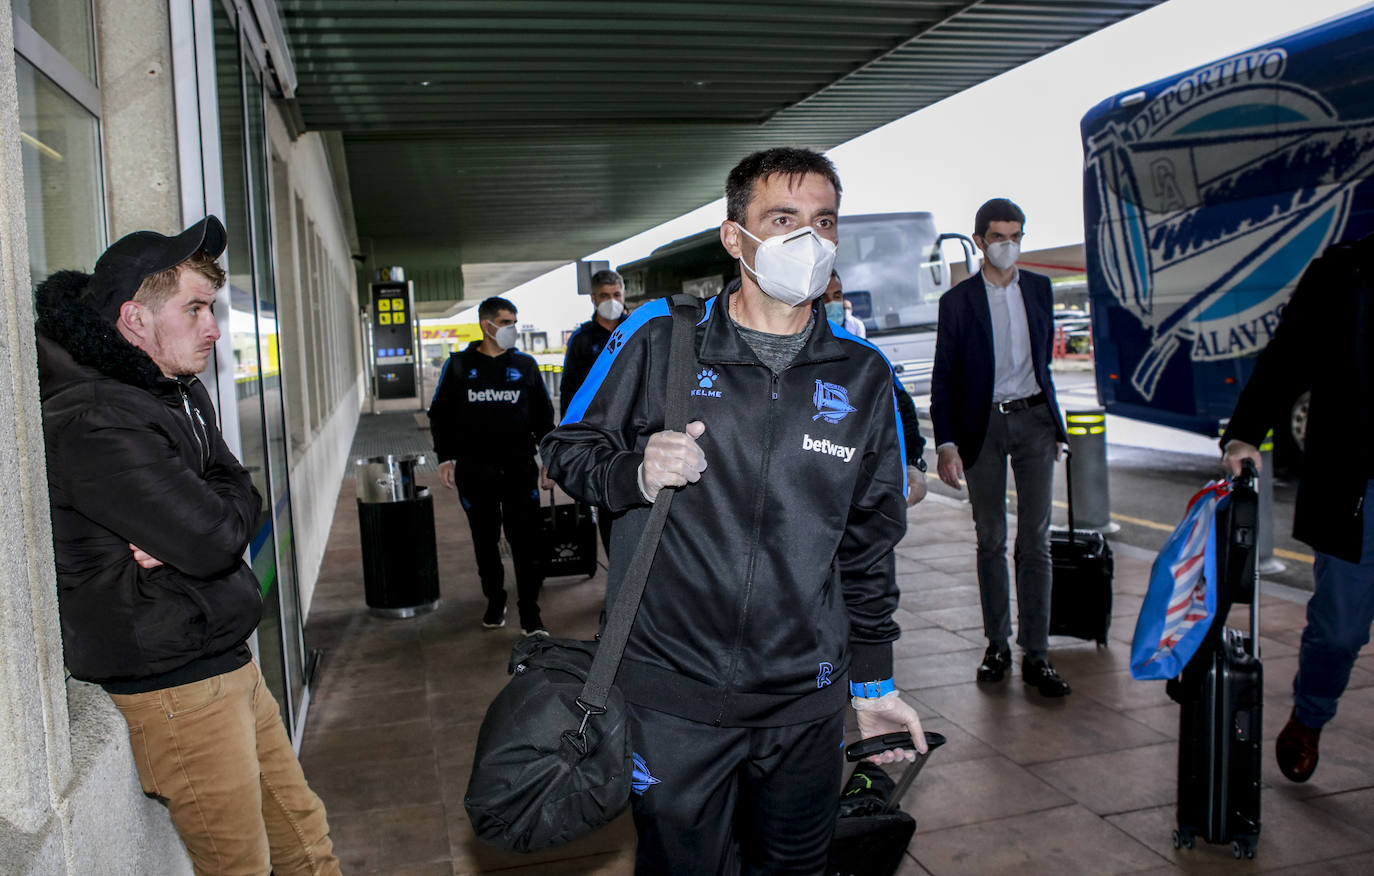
(490, 409)
(771, 595)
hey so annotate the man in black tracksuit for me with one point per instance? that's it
(771, 595)
(585, 345)
(490, 410)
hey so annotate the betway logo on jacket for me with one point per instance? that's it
(817, 445)
(494, 395)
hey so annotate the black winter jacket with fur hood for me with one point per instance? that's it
(134, 457)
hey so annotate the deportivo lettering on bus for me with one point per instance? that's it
(1212, 199)
(494, 395)
(1242, 69)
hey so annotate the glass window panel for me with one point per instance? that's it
(269, 366)
(243, 334)
(63, 198)
(253, 333)
(67, 25)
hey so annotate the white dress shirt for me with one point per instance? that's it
(855, 326)
(1013, 372)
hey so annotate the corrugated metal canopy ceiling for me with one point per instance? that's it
(480, 131)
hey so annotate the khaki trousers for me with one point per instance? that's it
(216, 752)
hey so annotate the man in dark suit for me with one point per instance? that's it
(1324, 343)
(991, 398)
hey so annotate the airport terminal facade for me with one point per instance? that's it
(117, 116)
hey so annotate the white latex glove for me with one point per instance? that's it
(889, 713)
(1236, 453)
(949, 466)
(915, 485)
(672, 459)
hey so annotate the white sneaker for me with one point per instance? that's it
(493, 620)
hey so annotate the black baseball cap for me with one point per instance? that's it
(135, 257)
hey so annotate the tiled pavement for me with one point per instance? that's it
(1025, 785)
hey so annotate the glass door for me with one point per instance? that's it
(258, 392)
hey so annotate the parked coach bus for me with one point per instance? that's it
(1205, 196)
(891, 265)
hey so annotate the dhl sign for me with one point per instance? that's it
(461, 332)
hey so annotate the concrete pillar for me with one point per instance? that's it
(133, 38)
(69, 796)
(34, 755)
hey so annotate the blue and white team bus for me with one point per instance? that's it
(1205, 196)
(890, 263)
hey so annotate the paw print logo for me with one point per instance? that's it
(706, 378)
(616, 341)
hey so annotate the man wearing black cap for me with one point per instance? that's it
(151, 513)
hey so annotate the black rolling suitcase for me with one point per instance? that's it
(570, 539)
(1220, 693)
(872, 833)
(1082, 566)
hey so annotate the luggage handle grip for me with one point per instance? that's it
(878, 744)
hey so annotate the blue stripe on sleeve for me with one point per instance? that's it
(901, 439)
(619, 338)
(602, 366)
(839, 332)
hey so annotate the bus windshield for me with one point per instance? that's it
(890, 270)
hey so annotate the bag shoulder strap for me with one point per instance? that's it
(686, 310)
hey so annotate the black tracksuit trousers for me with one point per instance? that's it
(497, 494)
(734, 800)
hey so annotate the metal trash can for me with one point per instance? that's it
(396, 526)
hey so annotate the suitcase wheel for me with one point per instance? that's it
(1184, 840)
(1243, 847)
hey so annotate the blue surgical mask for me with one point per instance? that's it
(834, 311)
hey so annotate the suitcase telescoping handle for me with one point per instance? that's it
(553, 503)
(878, 744)
(1068, 482)
(1249, 479)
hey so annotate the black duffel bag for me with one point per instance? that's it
(544, 776)
(553, 760)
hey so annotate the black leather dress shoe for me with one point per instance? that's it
(1042, 676)
(995, 664)
(1296, 749)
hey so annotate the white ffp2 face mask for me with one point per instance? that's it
(793, 268)
(1004, 253)
(505, 336)
(611, 309)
